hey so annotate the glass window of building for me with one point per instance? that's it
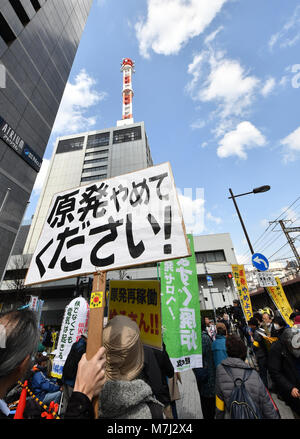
(101, 139)
(96, 168)
(5, 31)
(94, 177)
(127, 135)
(101, 151)
(210, 256)
(20, 11)
(70, 145)
(102, 159)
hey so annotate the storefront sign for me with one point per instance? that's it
(12, 139)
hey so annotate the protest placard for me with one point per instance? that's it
(181, 311)
(74, 324)
(140, 301)
(239, 276)
(124, 221)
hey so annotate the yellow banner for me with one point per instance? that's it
(239, 275)
(140, 301)
(280, 300)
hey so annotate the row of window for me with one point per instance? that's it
(94, 177)
(101, 139)
(102, 159)
(210, 256)
(96, 168)
(101, 151)
(6, 31)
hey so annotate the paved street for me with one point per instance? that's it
(189, 406)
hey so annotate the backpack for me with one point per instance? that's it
(241, 404)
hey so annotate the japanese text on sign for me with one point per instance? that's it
(239, 275)
(120, 222)
(140, 301)
(181, 312)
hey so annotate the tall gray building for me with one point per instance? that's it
(38, 44)
(86, 157)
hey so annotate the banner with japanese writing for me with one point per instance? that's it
(124, 221)
(181, 318)
(279, 298)
(140, 301)
(239, 275)
(74, 324)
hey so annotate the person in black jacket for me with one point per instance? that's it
(70, 367)
(283, 367)
(260, 349)
(90, 379)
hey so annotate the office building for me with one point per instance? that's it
(38, 44)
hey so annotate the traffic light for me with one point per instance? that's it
(229, 276)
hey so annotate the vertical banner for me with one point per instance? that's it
(75, 322)
(279, 298)
(181, 311)
(140, 301)
(239, 275)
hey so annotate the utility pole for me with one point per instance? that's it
(287, 231)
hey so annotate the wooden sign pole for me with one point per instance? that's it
(96, 317)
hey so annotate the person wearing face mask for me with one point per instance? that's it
(284, 364)
(268, 324)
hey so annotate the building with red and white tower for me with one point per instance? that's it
(127, 67)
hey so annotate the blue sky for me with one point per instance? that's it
(217, 84)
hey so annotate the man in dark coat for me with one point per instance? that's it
(157, 368)
(71, 365)
(283, 367)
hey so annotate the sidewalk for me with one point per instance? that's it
(189, 406)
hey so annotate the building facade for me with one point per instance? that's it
(38, 44)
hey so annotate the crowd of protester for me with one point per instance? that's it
(133, 381)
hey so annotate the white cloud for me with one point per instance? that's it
(193, 212)
(171, 23)
(291, 144)
(227, 83)
(246, 136)
(77, 99)
(289, 35)
(215, 219)
(39, 182)
(268, 87)
(198, 124)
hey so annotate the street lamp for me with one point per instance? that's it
(233, 197)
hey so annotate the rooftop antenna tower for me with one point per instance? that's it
(127, 67)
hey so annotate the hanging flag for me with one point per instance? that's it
(239, 275)
(181, 311)
(279, 298)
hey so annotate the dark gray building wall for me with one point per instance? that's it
(37, 63)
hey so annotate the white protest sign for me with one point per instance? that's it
(74, 324)
(124, 221)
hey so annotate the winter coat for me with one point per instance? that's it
(71, 365)
(47, 339)
(79, 407)
(254, 386)
(155, 372)
(219, 349)
(259, 346)
(283, 370)
(40, 385)
(127, 400)
(206, 386)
